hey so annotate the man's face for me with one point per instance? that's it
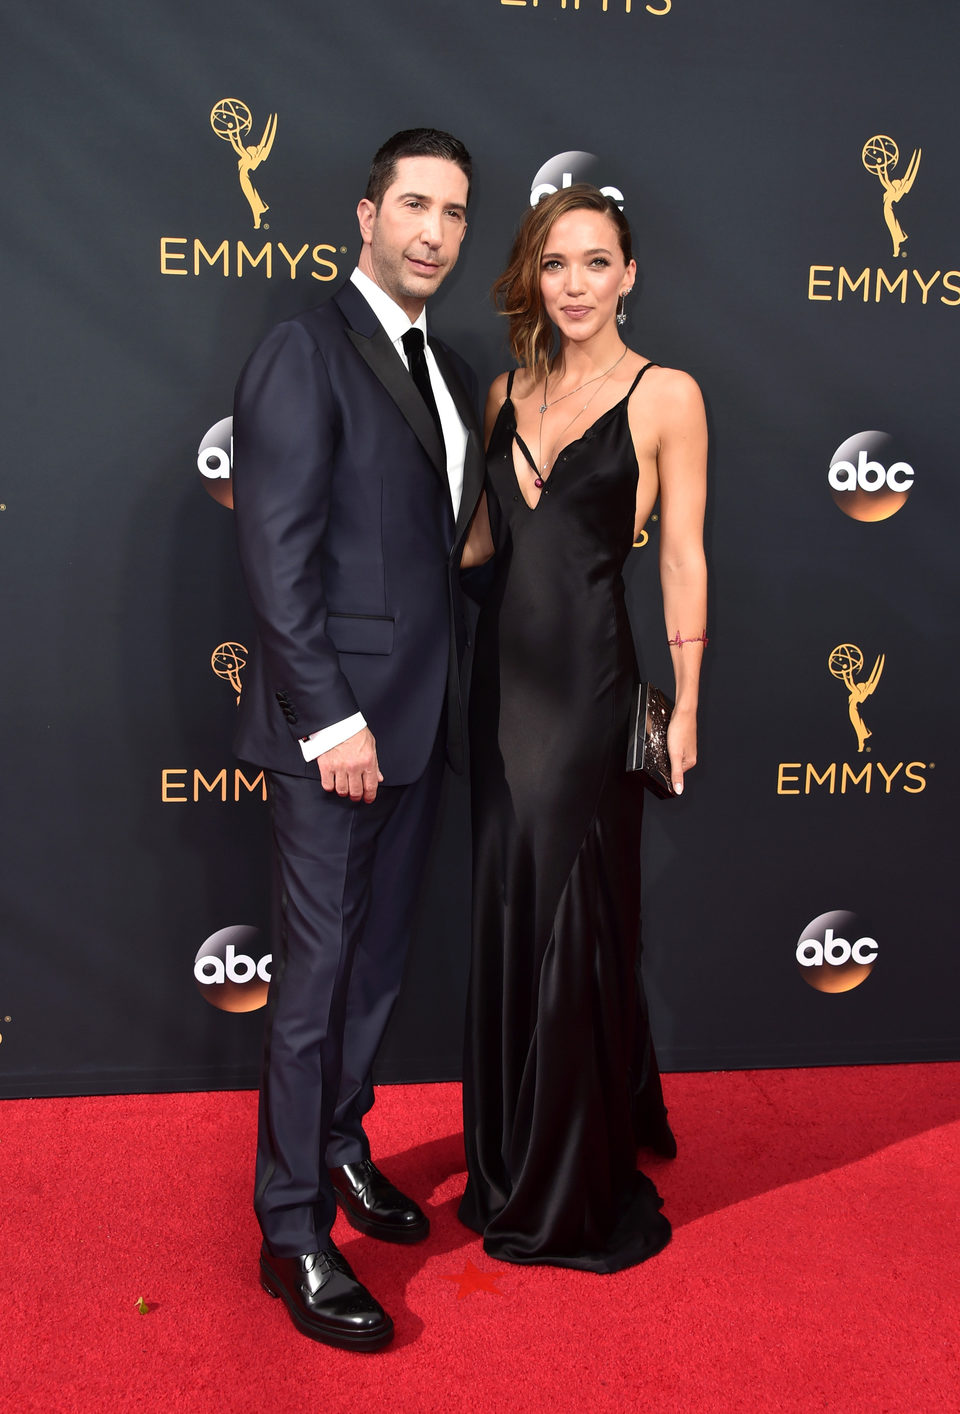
(412, 242)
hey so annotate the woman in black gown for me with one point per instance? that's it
(560, 1082)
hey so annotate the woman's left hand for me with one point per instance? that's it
(681, 746)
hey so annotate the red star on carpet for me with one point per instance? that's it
(473, 1279)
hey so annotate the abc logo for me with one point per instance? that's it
(229, 971)
(834, 954)
(566, 169)
(215, 460)
(867, 479)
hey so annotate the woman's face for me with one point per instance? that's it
(582, 273)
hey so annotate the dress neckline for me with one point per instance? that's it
(525, 450)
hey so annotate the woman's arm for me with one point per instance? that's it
(478, 546)
(682, 465)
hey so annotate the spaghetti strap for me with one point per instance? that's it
(526, 452)
(620, 404)
(528, 455)
(649, 364)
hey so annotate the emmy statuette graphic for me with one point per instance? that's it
(228, 661)
(879, 154)
(844, 662)
(232, 120)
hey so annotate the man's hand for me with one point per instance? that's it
(351, 768)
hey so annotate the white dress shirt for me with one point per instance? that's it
(395, 323)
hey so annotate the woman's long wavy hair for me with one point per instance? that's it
(516, 293)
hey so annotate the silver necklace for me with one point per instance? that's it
(545, 405)
(600, 379)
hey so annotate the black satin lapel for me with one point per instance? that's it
(473, 460)
(384, 361)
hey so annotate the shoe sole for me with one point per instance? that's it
(370, 1228)
(343, 1340)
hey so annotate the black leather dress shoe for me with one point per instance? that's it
(372, 1204)
(325, 1300)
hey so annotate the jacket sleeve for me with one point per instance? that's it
(285, 433)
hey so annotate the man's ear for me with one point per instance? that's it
(366, 215)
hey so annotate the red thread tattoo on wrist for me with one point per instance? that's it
(678, 642)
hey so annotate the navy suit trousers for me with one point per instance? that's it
(347, 876)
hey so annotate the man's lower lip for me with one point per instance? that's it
(423, 267)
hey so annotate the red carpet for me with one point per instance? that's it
(814, 1264)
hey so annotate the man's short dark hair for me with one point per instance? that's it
(414, 142)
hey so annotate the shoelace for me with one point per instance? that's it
(325, 1262)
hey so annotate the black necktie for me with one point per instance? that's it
(412, 342)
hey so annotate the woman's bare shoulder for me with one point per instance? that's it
(674, 385)
(498, 389)
(672, 382)
(667, 401)
(523, 384)
(496, 398)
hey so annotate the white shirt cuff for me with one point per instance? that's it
(328, 737)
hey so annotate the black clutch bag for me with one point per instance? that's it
(647, 739)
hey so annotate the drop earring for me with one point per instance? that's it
(621, 310)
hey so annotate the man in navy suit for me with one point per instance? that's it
(357, 469)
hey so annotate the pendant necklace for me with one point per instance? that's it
(599, 379)
(544, 405)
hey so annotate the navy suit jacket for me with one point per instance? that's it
(348, 541)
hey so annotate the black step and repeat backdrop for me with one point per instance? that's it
(178, 176)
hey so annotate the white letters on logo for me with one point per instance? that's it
(870, 475)
(215, 463)
(548, 189)
(236, 967)
(809, 953)
(865, 951)
(900, 476)
(835, 951)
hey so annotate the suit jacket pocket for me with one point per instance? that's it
(360, 633)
